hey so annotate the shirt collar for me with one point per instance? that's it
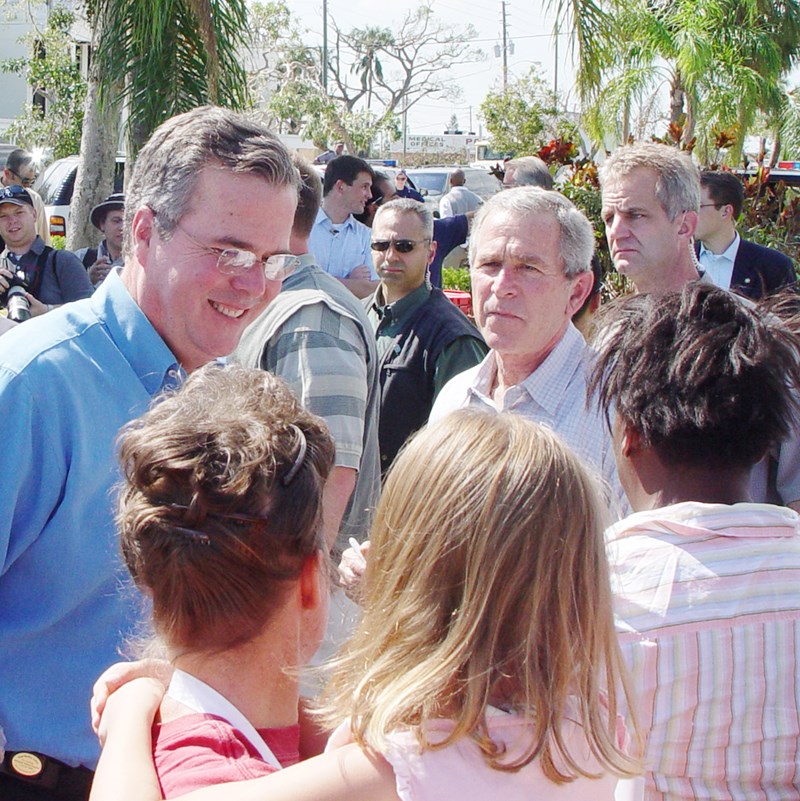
(148, 355)
(548, 382)
(400, 308)
(325, 221)
(728, 254)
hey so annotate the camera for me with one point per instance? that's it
(15, 299)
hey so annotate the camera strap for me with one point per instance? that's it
(41, 263)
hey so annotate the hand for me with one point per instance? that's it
(99, 270)
(351, 570)
(140, 697)
(37, 307)
(362, 271)
(5, 278)
(122, 673)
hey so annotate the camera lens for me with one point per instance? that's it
(18, 305)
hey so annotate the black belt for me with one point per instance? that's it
(46, 772)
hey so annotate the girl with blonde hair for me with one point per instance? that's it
(486, 663)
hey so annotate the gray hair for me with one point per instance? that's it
(530, 171)
(167, 167)
(577, 235)
(407, 205)
(677, 186)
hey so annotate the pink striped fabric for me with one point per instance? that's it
(707, 599)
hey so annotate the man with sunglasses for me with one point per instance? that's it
(50, 277)
(423, 339)
(207, 221)
(21, 171)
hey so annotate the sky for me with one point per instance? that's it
(529, 28)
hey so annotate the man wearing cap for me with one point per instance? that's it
(108, 217)
(21, 171)
(51, 277)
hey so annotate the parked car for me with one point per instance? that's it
(56, 185)
(432, 182)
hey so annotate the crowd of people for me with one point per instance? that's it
(568, 567)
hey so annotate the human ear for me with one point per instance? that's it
(631, 441)
(142, 232)
(311, 581)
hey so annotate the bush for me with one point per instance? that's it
(453, 278)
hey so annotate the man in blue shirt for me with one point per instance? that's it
(208, 216)
(339, 242)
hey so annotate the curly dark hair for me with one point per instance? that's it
(221, 503)
(705, 378)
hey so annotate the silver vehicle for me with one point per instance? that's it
(433, 184)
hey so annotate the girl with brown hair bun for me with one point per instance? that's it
(220, 526)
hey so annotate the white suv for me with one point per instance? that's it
(56, 184)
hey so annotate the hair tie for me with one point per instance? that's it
(299, 459)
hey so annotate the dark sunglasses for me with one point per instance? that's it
(400, 245)
(14, 191)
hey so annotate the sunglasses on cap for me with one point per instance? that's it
(16, 192)
(400, 245)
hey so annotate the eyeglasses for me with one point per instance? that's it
(706, 205)
(25, 181)
(232, 261)
(16, 193)
(401, 178)
(400, 245)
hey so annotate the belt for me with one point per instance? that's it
(44, 771)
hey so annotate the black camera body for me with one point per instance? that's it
(15, 299)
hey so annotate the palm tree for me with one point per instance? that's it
(159, 58)
(722, 60)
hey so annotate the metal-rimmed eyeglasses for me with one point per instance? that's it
(400, 245)
(233, 261)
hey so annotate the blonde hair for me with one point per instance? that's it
(487, 584)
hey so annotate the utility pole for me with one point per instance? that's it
(325, 45)
(505, 47)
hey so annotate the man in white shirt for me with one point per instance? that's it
(728, 260)
(459, 200)
(338, 240)
(530, 261)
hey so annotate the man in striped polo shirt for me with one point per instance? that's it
(706, 583)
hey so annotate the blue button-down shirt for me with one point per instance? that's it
(68, 381)
(340, 248)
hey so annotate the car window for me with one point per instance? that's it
(57, 182)
(482, 183)
(434, 182)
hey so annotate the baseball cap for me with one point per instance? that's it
(17, 195)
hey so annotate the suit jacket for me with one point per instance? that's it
(759, 271)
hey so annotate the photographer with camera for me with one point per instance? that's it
(34, 278)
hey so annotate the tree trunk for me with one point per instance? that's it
(676, 99)
(776, 147)
(95, 178)
(689, 127)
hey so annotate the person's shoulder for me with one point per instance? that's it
(752, 249)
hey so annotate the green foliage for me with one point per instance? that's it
(771, 215)
(170, 56)
(524, 116)
(50, 70)
(722, 60)
(58, 242)
(456, 278)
